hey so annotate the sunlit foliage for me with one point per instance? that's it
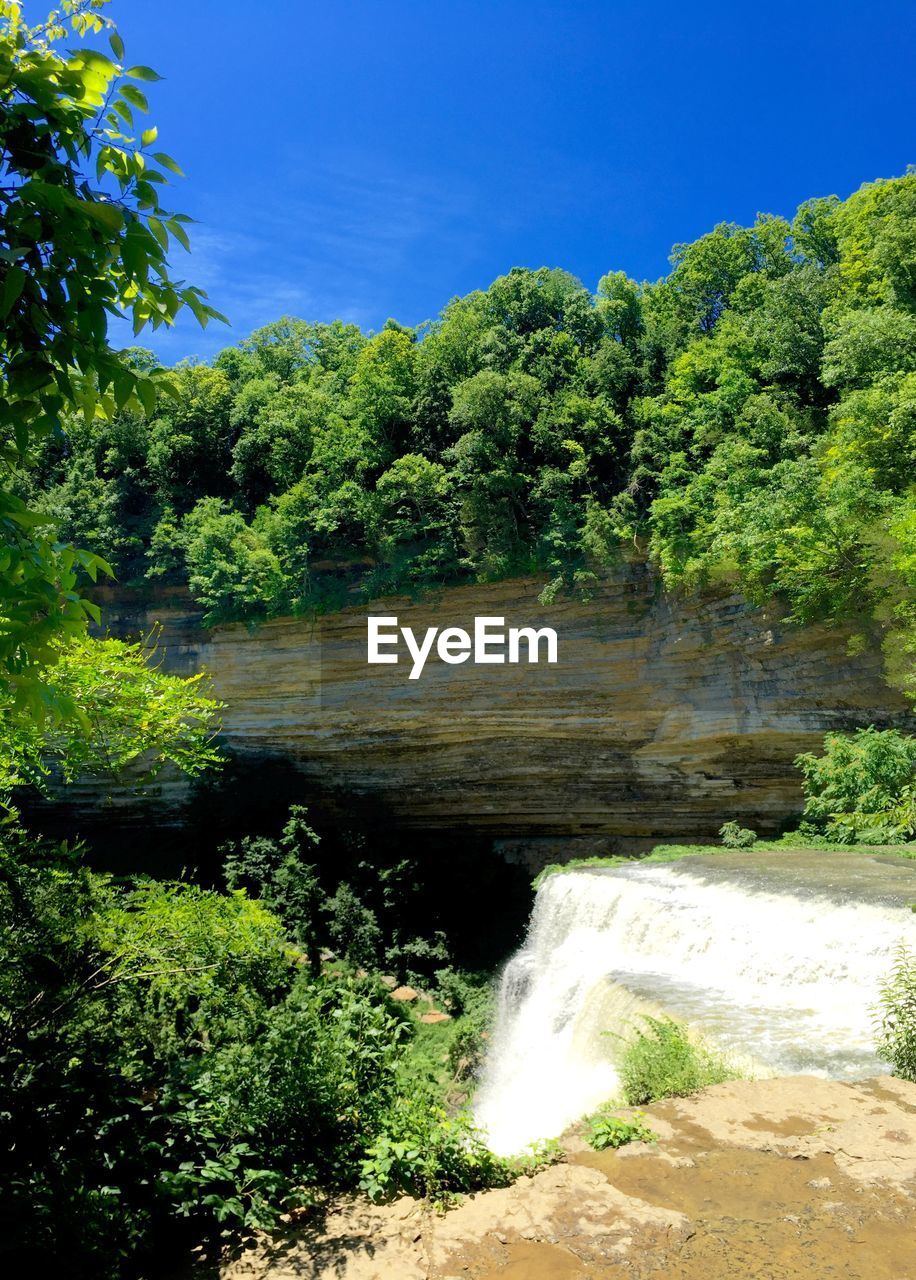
(749, 421)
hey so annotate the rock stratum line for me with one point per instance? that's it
(660, 716)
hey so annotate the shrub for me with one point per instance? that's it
(305, 1095)
(229, 563)
(191, 970)
(173, 1073)
(170, 1073)
(607, 1130)
(463, 993)
(661, 1061)
(423, 1152)
(735, 837)
(466, 1050)
(111, 1006)
(896, 1016)
(862, 787)
(353, 928)
(417, 959)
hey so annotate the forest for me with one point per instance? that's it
(749, 420)
(188, 1061)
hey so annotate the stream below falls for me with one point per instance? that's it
(776, 958)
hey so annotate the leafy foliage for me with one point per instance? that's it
(83, 235)
(863, 787)
(108, 1008)
(737, 837)
(116, 712)
(663, 1061)
(896, 1016)
(607, 1130)
(173, 1073)
(368, 912)
(425, 1153)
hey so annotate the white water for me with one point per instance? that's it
(787, 980)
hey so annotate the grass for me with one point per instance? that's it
(675, 852)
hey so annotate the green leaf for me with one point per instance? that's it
(159, 232)
(107, 215)
(12, 288)
(124, 382)
(117, 45)
(167, 162)
(179, 233)
(124, 111)
(200, 312)
(146, 195)
(146, 390)
(29, 519)
(95, 58)
(149, 136)
(143, 73)
(171, 388)
(130, 93)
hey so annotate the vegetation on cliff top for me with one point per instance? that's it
(749, 420)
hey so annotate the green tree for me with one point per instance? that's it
(863, 781)
(229, 562)
(117, 713)
(382, 391)
(190, 438)
(412, 517)
(83, 235)
(280, 873)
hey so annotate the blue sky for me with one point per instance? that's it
(365, 160)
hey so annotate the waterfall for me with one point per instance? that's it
(787, 979)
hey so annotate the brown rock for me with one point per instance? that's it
(403, 993)
(435, 1015)
(662, 716)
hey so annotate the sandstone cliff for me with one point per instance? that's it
(662, 717)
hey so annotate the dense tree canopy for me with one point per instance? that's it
(749, 419)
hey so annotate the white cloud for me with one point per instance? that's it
(326, 247)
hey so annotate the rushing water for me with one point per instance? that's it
(781, 971)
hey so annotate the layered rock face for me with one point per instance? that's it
(661, 718)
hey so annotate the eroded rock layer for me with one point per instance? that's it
(661, 718)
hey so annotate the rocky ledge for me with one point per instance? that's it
(791, 1179)
(661, 717)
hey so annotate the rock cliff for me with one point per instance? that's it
(661, 718)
